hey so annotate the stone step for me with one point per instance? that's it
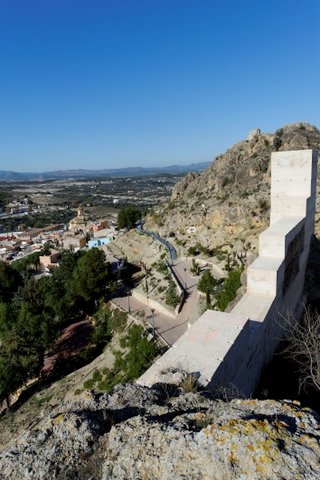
(273, 241)
(263, 275)
(254, 305)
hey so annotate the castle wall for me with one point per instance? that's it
(227, 351)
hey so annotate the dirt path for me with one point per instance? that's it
(72, 341)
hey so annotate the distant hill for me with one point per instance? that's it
(107, 172)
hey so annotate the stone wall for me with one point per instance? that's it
(229, 350)
(152, 303)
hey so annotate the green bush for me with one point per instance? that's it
(194, 250)
(128, 217)
(107, 323)
(140, 355)
(195, 268)
(198, 248)
(89, 384)
(161, 267)
(229, 289)
(206, 284)
(135, 357)
(172, 298)
(225, 181)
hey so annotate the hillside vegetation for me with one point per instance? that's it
(228, 203)
(75, 430)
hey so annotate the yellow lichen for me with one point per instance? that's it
(262, 462)
(58, 419)
(309, 440)
(233, 459)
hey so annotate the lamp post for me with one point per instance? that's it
(185, 277)
(153, 329)
(128, 295)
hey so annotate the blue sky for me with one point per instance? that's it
(117, 83)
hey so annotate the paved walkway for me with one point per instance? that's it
(170, 329)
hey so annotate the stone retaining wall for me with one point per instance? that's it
(152, 303)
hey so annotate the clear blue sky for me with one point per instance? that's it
(105, 83)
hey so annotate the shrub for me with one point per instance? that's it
(229, 289)
(127, 366)
(277, 142)
(189, 383)
(172, 298)
(161, 267)
(194, 250)
(89, 384)
(207, 284)
(107, 323)
(140, 355)
(224, 181)
(263, 205)
(195, 268)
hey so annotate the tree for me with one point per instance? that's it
(10, 378)
(195, 268)
(206, 285)
(27, 264)
(128, 217)
(10, 280)
(59, 288)
(46, 249)
(90, 276)
(7, 320)
(34, 295)
(36, 332)
(304, 347)
(24, 338)
(140, 354)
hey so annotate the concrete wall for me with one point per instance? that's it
(227, 351)
(152, 303)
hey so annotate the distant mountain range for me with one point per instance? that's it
(6, 175)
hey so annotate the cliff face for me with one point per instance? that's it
(229, 202)
(142, 433)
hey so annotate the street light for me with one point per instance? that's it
(152, 312)
(128, 295)
(185, 277)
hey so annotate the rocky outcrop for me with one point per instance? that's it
(165, 433)
(228, 203)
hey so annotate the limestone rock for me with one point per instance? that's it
(230, 199)
(164, 433)
(253, 134)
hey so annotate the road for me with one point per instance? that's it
(172, 251)
(169, 328)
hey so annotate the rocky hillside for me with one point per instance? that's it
(228, 203)
(175, 431)
(165, 433)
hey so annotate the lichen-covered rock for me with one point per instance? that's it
(237, 440)
(140, 433)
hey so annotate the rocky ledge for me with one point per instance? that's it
(165, 433)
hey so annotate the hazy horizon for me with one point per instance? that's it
(100, 85)
(133, 167)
